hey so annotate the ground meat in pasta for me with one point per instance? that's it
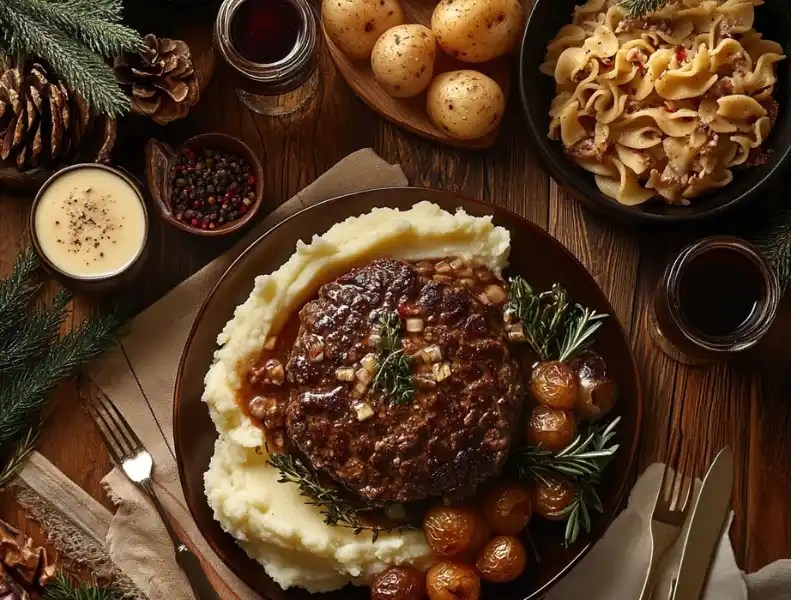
(666, 110)
(586, 148)
(726, 28)
(723, 87)
(711, 145)
(628, 24)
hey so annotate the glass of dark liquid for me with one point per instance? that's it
(715, 300)
(272, 47)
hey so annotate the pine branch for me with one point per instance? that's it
(639, 9)
(32, 336)
(17, 458)
(62, 589)
(84, 71)
(775, 241)
(22, 398)
(99, 33)
(110, 10)
(17, 290)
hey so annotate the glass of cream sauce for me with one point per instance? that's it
(89, 222)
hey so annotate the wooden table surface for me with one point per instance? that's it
(745, 405)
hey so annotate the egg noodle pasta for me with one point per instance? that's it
(667, 105)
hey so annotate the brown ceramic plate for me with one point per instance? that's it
(534, 254)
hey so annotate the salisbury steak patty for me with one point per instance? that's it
(457, 429)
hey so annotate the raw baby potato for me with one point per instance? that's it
(477, 30)
(355, 25)
(465, 104)
(402, 60)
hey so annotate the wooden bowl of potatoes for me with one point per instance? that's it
(438, 70)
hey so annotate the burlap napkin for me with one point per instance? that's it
(136, 539)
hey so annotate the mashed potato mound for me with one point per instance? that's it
(270, 520)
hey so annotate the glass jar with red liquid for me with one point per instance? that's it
(715, 300)
(272, 47)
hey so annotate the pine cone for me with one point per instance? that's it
(41, 121)
(161, 79)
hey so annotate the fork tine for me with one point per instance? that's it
(689, 493)
(669, 495)
(663, 487)
(122, 424)
(111, 424)
(112, 444)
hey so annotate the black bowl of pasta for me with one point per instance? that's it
(676, 115)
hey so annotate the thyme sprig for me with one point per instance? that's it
(336, 508)
(553, 326)
(394, 373)
(641, 8)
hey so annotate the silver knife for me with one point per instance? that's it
(705, 528)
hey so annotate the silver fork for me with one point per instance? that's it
(130, 455)
(669, 514)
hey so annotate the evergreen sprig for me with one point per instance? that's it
(14, 461)
(74, 37)
(32, 335)
(775, 241)
(99, 30)
(641, 8)
(17, 290)
(22, 398)
(63, 589)
(34, 359)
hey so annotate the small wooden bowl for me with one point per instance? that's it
(160, 158)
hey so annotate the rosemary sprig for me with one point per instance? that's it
(581, 462)
(586, 456)
(577, 512)
(541, 314)
(641, 8)
(554, 328)
(336, 509)
(393, 375)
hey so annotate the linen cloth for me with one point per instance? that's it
(137, 541)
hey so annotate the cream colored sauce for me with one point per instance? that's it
(90, 222)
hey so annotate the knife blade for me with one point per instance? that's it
(705, 528)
